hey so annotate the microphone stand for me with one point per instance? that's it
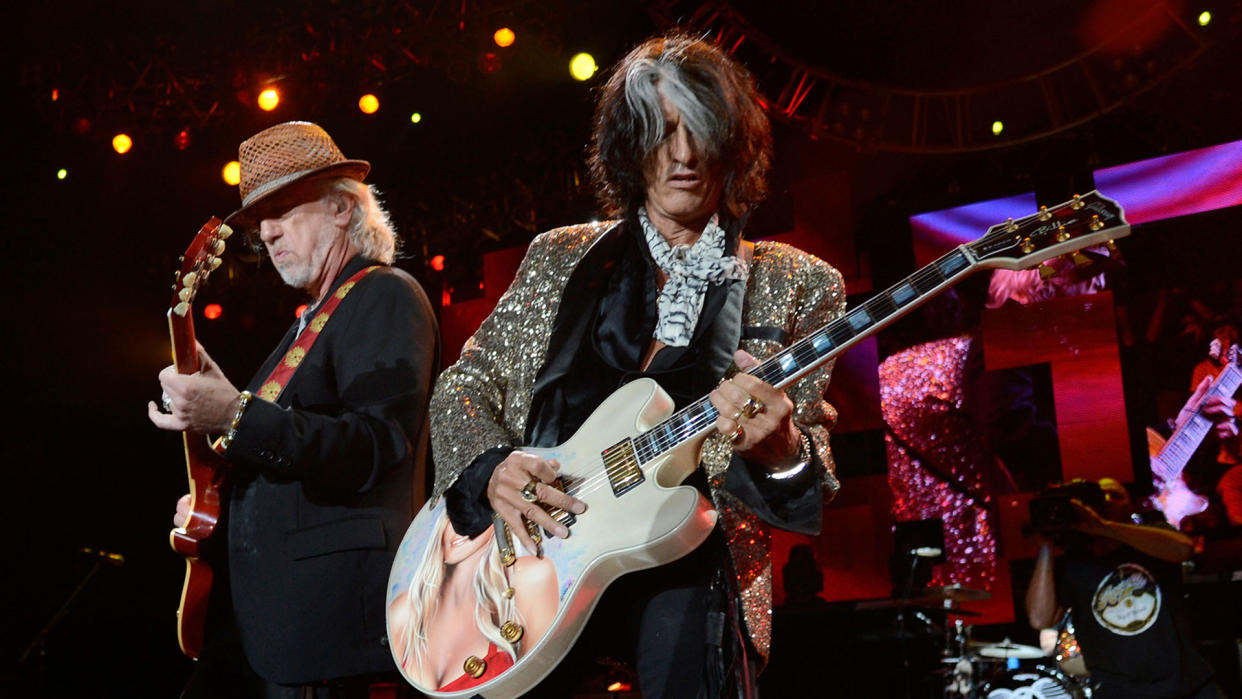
(902, 634)
(40, 641)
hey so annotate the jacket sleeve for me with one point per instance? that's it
(795, 504)
(360, 400)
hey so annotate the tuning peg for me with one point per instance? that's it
(189, 279)
(1111, 246)
(217, 247)
(185, 294)
(1044, 214)
(1077, 203)
(1046, 271)
(1096, 224)
(225, 231)
(215, 262)
(1080, 260)
(181, 309)
(1010, 226)
(1062, 234)
(1027, 246)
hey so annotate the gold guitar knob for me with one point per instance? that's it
(511, 632)
(474, 666)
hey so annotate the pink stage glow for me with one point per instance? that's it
(1176, 185)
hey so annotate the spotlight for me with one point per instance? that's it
(997, 127)
(232, 173)
(368, 103)
(504, 37)
(1205, 18)
(81, 125)
(212, 311)
(416, 117)
(437, 263)
(489, 63)
(62, 174)
(269, 99)
(582, 66)
(182, 139)
(121, 143)
(55, 94)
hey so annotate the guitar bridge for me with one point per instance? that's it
(622, 467)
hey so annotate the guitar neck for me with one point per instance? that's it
(816, 349)
(1176, 452)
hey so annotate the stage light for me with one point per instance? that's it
(212, 311)
(62, 174)
(437, 263)
(297, 312)
(368, 103)
(416, 117)
(1205, 18)
(997, 127)
(55, 94)
(582, 66)
(81, 125)
(504, 37)
(619, 687)
(489, 63)
(232, 173)
(182, 139)
(121, 143)
(269, 99)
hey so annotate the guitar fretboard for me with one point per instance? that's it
(812, 351)
(1176, 453)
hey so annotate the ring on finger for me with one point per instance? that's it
(753, 407)
(737, 414)
(736, 434)
(166, 402)
(528, 490)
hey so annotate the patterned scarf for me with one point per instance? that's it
(690, 268)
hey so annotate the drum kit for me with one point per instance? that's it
(1001, 670)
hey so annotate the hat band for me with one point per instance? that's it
(278, 182)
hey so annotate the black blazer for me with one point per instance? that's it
(323, 484)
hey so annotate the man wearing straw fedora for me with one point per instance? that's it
(326, 442)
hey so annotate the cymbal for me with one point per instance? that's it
(955, 592)
(1007, 649)
(920, 605)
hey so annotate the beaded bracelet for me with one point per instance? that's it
(243, 401)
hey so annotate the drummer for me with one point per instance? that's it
(1123, 581)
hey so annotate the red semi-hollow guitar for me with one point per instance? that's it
(204, 467)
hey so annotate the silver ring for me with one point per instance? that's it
(166, 401)
(528, 490)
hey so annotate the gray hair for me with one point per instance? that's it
(370, 229)
(646, 79)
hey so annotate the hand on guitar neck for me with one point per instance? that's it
(204, 402)
(1219, 409)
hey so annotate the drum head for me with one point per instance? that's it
(1033, 683)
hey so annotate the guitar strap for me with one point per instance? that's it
(275, 383)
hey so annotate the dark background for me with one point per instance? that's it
(498, 156)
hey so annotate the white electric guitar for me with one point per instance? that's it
(481, 616)
(1168, 458)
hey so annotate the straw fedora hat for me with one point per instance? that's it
(276, 157)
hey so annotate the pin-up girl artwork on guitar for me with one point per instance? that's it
(465, 617)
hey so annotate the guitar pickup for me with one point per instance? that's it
(561, 516)
(621, 465)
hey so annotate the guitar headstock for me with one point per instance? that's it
(1231, 356)
(198, 262)
(1084, 221)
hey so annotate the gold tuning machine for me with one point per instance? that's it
(1076, 204)
(1047, 271)
(1096, 224)
(1010, 226)
(1111, 246)
(1062, 234)
(1044, 214)
(1027, 246)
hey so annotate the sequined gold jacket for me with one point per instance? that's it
(483, 400)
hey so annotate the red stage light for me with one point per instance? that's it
(182, 139)
(212, 311)
(489, 63)
(437, 263)
(55, 94)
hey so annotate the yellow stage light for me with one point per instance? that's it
(62, 174)
(997, 127)
(268, 99)
(231, 173)
(582, 66)
(121, 143)
(416, 117)
(368, 103)
(504, 37)
(1205, 18)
